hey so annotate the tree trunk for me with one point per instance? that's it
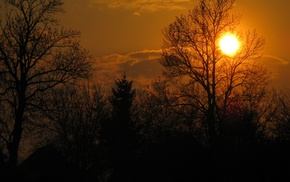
(14, 144)
(211, 122)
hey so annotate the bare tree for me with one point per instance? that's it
(191, 54)
(281, 118)
(74, 115)
(161, 115)
(151, 114)
(36, 54)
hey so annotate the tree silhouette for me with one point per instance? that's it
(191, 54)
(119, 132)
(36, 54)
(281, 117)
(74, 115)
(122, 99)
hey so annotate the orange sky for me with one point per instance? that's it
(125, 35)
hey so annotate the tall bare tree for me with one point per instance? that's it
(192, 54)
(36, 54)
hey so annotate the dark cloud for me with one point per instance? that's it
(140, 66)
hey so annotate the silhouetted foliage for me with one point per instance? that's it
(36, 54)
(119, 134)
(122, 98)
(281, 116)
(74, 114)
(192, 59)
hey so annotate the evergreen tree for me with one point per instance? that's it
(119, 132)
(121, 99)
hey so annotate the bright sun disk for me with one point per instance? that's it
(229, 44)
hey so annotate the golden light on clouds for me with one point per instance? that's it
(136, 13)
(114, 30)
(145, 5)
(143, 66)
(229, 44)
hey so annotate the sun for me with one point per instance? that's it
(229, 44)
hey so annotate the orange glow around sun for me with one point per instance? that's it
(229, 44)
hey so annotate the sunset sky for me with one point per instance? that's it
(126, 35)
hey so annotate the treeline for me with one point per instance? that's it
(119, 135)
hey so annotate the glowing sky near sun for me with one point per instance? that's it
(127, 35)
